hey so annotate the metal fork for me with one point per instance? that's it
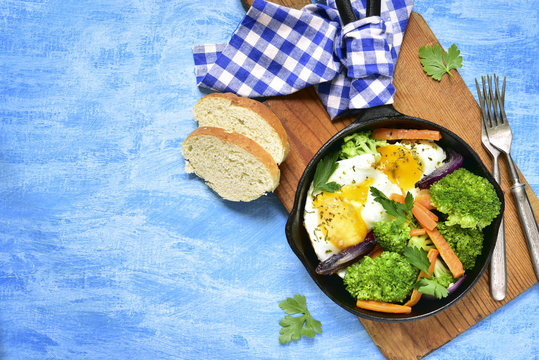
(498, 267)
(500, 136)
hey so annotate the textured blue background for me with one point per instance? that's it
(109, 250)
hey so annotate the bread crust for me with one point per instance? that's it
(245, 143)
(262, 110)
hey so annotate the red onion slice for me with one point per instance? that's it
(453, 162)
(346, 257)
(454, 286)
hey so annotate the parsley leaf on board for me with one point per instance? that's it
(431, 287)
(436, 63)
(403, 212)
(417, 257)
(324, 169)
(295, 326)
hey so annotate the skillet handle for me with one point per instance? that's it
(346, 12)
(382, 111)
(373, 7)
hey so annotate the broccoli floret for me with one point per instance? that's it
(388, 278)
(358, 144)
(467, 244)
(392, 235)
(442, 274)
(469, 200)
(422, 242)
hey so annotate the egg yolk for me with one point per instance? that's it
(400, 165)
(340, 214)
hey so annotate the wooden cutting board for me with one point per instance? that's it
(450, 104)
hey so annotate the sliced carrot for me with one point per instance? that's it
(417, 232)
(423, 218)
(423, 197)
(416, 295)
(383, 307)
(376, 251)
(405, 134)
(448, 255)
(432, 255)
(427, 211)
(397, 197)
(414, 298)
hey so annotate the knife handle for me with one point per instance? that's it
(498, 266)
(528, 222)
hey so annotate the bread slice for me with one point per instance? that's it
(244, 116)
(234, 166)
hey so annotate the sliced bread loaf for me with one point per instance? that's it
(234, 166)
(244, 116)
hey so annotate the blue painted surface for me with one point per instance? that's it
(109, 250)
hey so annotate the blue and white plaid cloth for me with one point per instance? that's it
(277, 50)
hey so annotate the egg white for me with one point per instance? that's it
(349, 171)
(432, 156)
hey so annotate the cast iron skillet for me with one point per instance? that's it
(332, 286)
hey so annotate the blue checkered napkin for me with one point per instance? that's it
(277, 51)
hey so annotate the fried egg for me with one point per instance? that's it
(335, 221)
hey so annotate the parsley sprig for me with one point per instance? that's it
(427, 284)
(431, 287)
(295, 326)
(436, 63)
(324, 169)
(417, 257)
(403, 212)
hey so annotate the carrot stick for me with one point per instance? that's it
(414, 298)
(423, 218)
(397, 197)
(427, 211)
(416, 295)
(447, 254)
(432, 255)
(376, 251)
(417, 232)
(408, 134)
(383, 307)
(423, 197)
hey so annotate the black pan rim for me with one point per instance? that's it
(295, 219)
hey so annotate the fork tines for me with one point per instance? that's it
(492, 103)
